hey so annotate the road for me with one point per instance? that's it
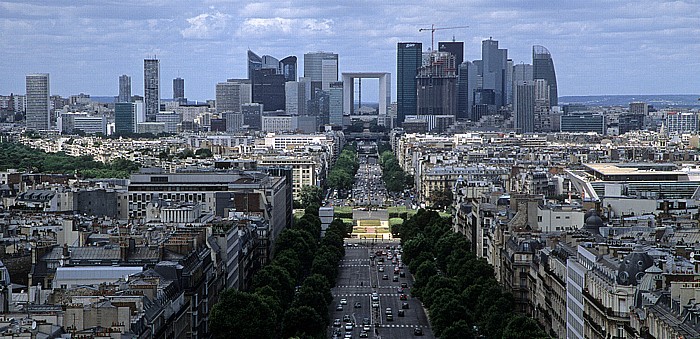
(358, 278)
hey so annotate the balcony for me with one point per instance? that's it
(618, 316)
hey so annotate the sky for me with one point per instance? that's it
(599, 46)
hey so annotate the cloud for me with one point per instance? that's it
(277, 25)
(206, 26)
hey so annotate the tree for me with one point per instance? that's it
(242, 315)
(441, 198)
(310, 194)
(279, 279)
(458, 330)
(301, 321)
(521, 326)
(203, 153)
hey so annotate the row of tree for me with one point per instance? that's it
(22, 157)
(395, 179)
(289, 297)
(460, 291)
(342, 175)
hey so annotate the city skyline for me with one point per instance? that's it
(598, 48)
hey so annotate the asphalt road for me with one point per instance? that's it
(358, 278)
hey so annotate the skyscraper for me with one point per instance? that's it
(254, 62)
(436, 86)
(297, 93)
(321, 68)
(454, 47)
(494, 67)
(124, 88)
(268, 89)
(151, 88)
(178, 89)
(524, 107)
(230, 95)
(543, 68)
(38, 110)
(335, 103)
(408, 61)
(466, 85)
(288, 68)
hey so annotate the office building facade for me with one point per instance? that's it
(466, 85)
(408, 61)
(268, 88)
(543, 68)
(38, 109)
(124, 88)
(296, 94)
(125, 117)
(151, 88)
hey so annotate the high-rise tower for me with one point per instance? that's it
(38, 109)
(151, 88)
(179, 89)
(124, 88)
(543, 68)
(456, 48)
(495, 64)
(408, 60)
(321, 68)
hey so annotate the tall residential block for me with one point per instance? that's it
(151, 88)
(408, 61)
(321, 68)
(124, 88)
(178, 89)
(543, 68)
(38, 109)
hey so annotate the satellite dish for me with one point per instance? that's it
(33, 325)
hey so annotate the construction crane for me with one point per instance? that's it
(432, 30)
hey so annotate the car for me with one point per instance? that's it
(417, 331)
(385, 277)
(348, 335)
(404, 285)
(339, 307)
(348, 327)
(346, 318)
(403, 296)
(395, 278)
(402, 274)
(366, 328)
(388, 310)
(364, 334)
(381, 268)
(402, 313)
(336, 323)
(375, 296)
(375, 304)
(389, 317)
(343, 301)
(358, 305)
(404, 305)
(400, 289)
(365, 321)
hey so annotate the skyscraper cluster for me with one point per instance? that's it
(442, 85)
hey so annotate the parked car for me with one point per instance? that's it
(417, 331)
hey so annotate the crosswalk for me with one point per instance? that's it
(358, 286)
(363, 294)
(402, 326)
(353, 265)
(367, 260)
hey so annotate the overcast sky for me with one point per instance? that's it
(598, 46)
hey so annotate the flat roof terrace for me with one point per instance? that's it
(635, 172)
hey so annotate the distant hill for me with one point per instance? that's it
(658, 101)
